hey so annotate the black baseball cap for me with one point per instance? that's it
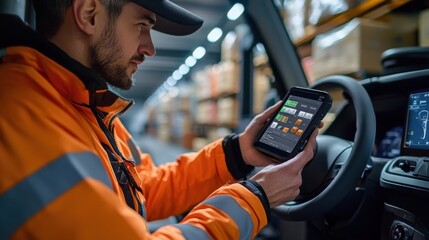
(171, 18)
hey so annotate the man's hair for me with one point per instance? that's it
(50, 13)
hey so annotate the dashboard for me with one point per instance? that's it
(400, 159)
(406, 176)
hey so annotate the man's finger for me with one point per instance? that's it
(270, 111)
(308, 153)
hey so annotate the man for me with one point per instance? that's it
(69, 168)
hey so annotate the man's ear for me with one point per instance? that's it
(85, 12)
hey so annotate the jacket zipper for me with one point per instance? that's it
(112, 142)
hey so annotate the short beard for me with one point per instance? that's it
(105, 57)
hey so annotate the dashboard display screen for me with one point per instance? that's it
(417, 134)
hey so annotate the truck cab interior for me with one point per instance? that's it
(369, 178)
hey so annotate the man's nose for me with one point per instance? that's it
(146, 46)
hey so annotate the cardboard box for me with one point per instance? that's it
(230, 49)
(206, 82)
(405, 27)
(424, 28)
(261, 87)
(229, 77)
(202, 84)
(354, 47)
(206, 112)
(230, 46)
(227, 111)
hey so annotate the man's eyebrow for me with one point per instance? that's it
(150, 19)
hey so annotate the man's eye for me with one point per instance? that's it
(145, 25)
(142, 26)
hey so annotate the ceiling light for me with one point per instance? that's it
(177, 75)
(161, 94)
(171, 81)
(260, 47)
(190, 61)
(173, 92)
(183, 69)
(235, 12)
(214, 34)
(199, 52)
(166, 85)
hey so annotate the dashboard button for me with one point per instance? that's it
(400, 231)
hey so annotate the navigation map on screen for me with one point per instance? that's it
(417, 135)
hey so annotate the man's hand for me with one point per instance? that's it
(281, 182)
(251, 156)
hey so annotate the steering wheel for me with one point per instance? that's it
(338, 164)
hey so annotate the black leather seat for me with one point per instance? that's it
(405, 59)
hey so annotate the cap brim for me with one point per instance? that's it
(171, 18)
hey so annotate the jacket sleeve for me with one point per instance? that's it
(176, 187)
(90, 210)
(231, 212)
(189, 179)
(225, 210)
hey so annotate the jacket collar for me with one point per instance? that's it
(80, 84)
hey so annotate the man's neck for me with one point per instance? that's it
(72, 41)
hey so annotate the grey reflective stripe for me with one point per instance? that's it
(228, 205)
(143, 210)
(32, 194)
(132, 145)
(3, 52)
(192, 232)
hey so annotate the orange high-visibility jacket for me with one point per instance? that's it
(70, 170)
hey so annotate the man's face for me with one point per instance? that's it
(123, 45)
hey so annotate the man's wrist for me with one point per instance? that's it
(234, 160)
(257, 189)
